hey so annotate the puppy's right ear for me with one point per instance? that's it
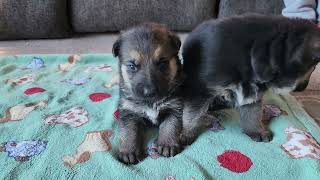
(116, 47)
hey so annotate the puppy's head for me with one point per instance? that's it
(298, 69)
(148, 59)
(310, 59)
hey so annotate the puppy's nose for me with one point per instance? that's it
(149, 91)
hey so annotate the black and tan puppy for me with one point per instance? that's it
(150, 80)
(232, 62)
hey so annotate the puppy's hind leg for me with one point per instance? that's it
(251, 122)
(131, 138)
(168, 141)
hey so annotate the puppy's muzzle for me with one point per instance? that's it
(147, 90)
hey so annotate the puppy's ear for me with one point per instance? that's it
(116, 47)
(175, 40)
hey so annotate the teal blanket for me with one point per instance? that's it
(58, 120)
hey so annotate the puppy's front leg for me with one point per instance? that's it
(251, 122)
(195, 118)
(168, 141)
(131, 137)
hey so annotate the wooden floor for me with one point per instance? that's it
(311, 103)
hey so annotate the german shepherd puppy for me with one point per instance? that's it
(150, 80)
(232, 62)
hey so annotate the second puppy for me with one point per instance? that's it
(150, 80)
(233, 62)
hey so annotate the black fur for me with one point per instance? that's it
(249, 55)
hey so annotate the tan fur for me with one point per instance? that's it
(125, 76)
(173, 69)
(136, 56)
(157, 52)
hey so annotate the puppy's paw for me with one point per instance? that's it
(169, 150)
(264, 136)
(130, 157)
(187, 140)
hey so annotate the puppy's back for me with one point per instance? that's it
(219, 50)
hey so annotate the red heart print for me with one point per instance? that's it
(235, 161)
(34, 90)
(96, 97)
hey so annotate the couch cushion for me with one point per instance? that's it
(114, 15)
(236, 7)
(24, 19)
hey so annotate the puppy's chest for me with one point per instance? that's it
(151, 112)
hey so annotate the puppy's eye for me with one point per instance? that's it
(163, 65)
(132, 67)
(163, 59)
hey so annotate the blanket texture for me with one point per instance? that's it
(58, 120)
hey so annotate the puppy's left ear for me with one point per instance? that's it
(116, 47)
(175, 40)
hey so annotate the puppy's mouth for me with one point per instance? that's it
(149, 96)
(146, 99)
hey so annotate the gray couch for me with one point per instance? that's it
(236, 7)
(31, 19)
(111, 15)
